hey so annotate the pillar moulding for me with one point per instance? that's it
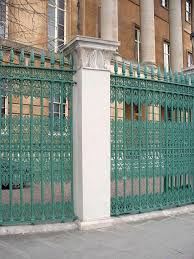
(89, 52)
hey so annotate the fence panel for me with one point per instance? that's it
(35, 143)
(152, 142)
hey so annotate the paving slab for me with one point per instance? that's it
(167, 238)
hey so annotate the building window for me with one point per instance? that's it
(2, 18)
(99, 22)
(3, 105)
(189, 59)
(56, 109)
(188, 11)
(56, 24)
(153, 113)
(4, 111)
(164, 3)
(137, 44)
(166, 56)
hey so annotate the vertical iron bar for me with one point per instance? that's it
(160, 146)
(172, 146)
(10, 158)
(116, 174)
(139, 134)
(184, 153)
(166, 149)
(147, 150)
(192, 147)
(70, 98)
(20, 154)
(42, 151)
(52, 154)
(153, 143)
(189, 125)
(180, 147)
(31, 156)
(63, 87)
(132, 152)
(1, 173)
(124, 152)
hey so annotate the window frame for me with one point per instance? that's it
(56, 25)
(3, 20)
(153, 113)
(137, 44)
(189, 54)
(4, 110)
(164, 3)
(165, 42)
(188, 12)
(52, 112)
(99, 33)
(4, 105)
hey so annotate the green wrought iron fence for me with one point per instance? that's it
(35, 141)
(152, 140)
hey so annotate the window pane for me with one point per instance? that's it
(164, 3)
(2, 29)
(188, 11)
(56, 22)
(51, 30)
(56, 99)
(52, 2)
(51, 21)
(189, 59)
(51, 43)
(56, 108)
(61, 32)
(50, 108)
(60, 17)
(166, 56)
(2, 18)
(2, 10)
(61, 4)
(64, 108)
(135, 34)
(137, 44)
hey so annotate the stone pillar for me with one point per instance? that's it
(176, 35)
(109, 20)
(148, 55)
(91, 127)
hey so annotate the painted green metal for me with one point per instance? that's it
(36, 164)
(152, 141)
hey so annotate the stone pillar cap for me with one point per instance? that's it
(89, 52)
(90, 42)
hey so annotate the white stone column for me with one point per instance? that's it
(109, 20)
(148, 55)
(91, 127)
(176, 35)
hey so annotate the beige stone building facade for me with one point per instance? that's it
(150, 31)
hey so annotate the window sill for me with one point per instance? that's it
(166, 8)
(189, 22)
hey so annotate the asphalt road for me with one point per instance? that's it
(169, 238)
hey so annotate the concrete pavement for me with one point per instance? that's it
(167, 238)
